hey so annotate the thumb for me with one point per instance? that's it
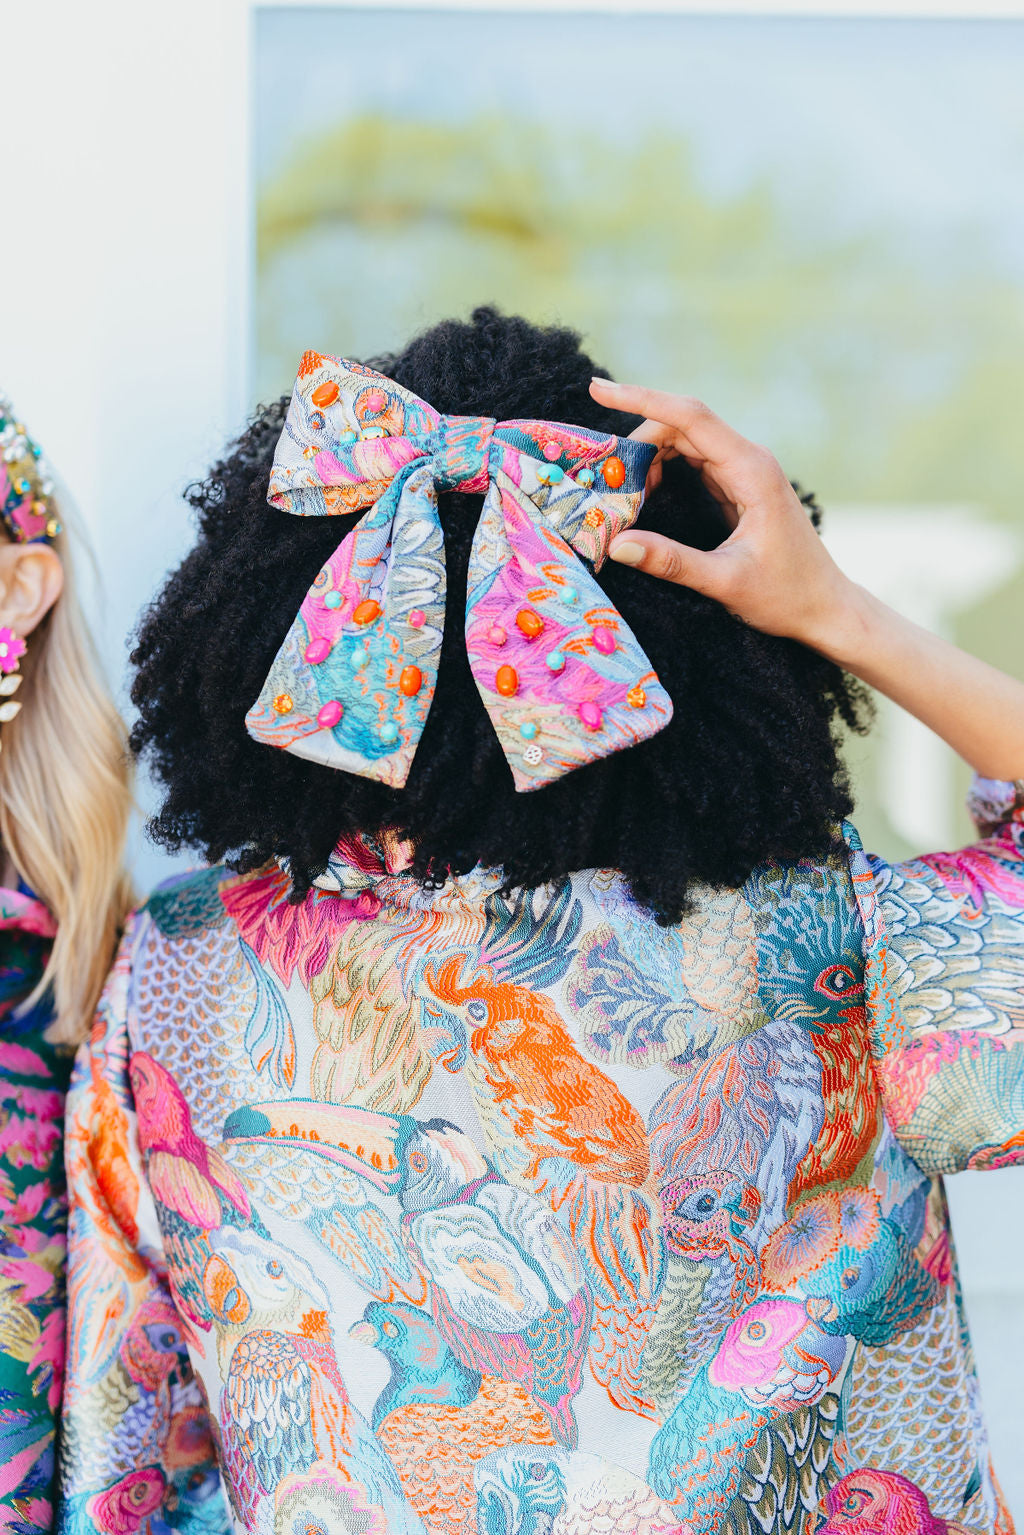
(669, 561)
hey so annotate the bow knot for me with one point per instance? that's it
(461, 458)
(560, 673)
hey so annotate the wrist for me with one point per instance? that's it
(844, 624)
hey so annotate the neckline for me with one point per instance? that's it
(383, 869)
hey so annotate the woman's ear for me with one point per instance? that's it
(31, 580)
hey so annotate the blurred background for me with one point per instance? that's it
(810, 215)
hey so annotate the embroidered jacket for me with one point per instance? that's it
(446, 1211)
(33, 1218)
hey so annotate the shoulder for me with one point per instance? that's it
(187, 904)
(808, 891)
(184, 960)
(216, 916)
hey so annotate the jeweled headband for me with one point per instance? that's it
(26, 489)
(561, 675)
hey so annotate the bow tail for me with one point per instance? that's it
(560, 672)
(352, 684)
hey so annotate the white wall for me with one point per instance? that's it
(124, 263)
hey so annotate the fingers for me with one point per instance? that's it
(737, 471)
(669, 561)
(705, 435)
(655, 432)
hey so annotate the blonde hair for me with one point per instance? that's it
(65, 804)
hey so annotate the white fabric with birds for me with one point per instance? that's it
(420, 1211)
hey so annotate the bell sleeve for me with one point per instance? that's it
(944, 951)
(137, 1452)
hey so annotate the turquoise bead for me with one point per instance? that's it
(555, 660)
(347, 437)
(528, 730)
(585, 477)
(332, 600)
(388, 732)
(358, 658)
(555, 474)
(570, 595)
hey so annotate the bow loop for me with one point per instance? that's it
(559, 671)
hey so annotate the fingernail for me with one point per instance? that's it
(606, 383)
(627, 552)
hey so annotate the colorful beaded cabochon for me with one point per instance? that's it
(560, 673)
(26, 489)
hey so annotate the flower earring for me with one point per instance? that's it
(12, 648)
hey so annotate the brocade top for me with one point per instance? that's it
(402, 1210)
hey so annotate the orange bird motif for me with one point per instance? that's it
(557, 1104)
(559, 1126)
(830, 1010)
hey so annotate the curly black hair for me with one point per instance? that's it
(748, 770)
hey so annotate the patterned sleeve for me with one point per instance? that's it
(137, 1453)
(945, 984)
(33, 1216)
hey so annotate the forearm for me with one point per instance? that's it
(977, 709)
(774, 573)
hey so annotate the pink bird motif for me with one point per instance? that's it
(972, 873)
(195, 1189)
(122, 1508)
(870, 1502)
(289, 936)
(185, 1173)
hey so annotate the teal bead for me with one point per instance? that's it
(528, 730)
(585, 477)
(555, 474)
(347, 437)
(555, 661)
(358, 658)
(570, 595)
(332, 600)
(388, 732)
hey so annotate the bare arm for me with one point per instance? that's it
(774, 572)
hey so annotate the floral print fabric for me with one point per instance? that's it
(33, 1216)
(405, 1211)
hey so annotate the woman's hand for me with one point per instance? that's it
(773, 572)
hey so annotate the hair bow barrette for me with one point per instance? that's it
(561, 675)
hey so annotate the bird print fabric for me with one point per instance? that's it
(409, 1211)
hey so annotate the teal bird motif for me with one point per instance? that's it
(706, 1459)
(874, 1294)
(423, 1367)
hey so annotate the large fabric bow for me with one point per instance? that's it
(560, 673)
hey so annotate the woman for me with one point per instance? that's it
(64, 804)
(543, 1130)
